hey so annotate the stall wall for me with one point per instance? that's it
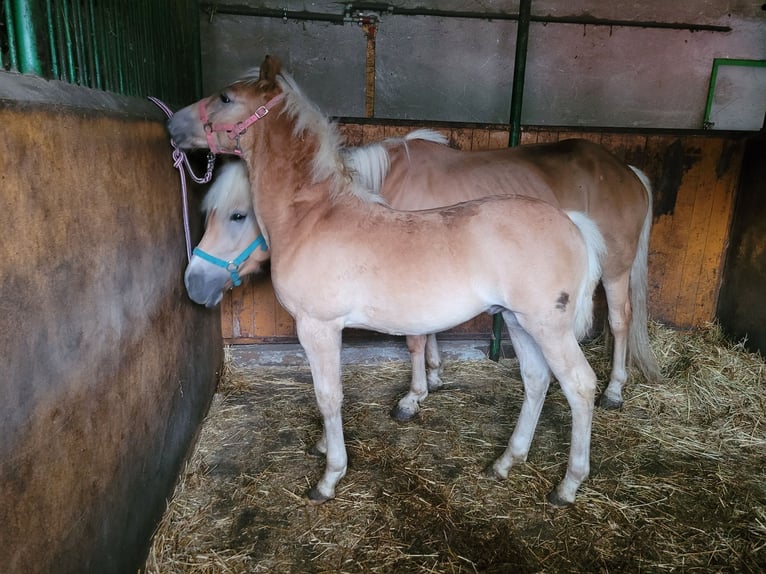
(107, 367)
(641, 64)
(694, 176)
(741, 308)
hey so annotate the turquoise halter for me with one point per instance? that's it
(233, 266)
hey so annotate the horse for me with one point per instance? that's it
(339, 254)
(419, 171)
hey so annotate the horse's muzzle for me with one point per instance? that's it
(183, 129)
(205, 285)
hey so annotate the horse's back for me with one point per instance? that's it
(573, 174)
(446, 253)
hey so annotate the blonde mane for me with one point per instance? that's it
(230, 189)
(328, 161)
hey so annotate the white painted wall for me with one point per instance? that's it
(456, 69)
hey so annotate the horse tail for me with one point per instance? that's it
(424, 134)
(596, 249)
(369, 164)
(638, 336)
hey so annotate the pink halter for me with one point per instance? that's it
(234, 131)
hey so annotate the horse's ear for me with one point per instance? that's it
(270, 69)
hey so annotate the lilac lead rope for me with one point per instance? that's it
(179, 161)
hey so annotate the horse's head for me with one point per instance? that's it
(232, 245)
(220, 122)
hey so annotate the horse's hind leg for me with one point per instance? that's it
(618, 301)
(578, 382)
(408, 406)
(536, 377)
(433, 364)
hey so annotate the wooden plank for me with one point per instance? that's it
(480, 139)
(397, 131)
(285, 325)
(692, 178)
(264, 309)
(700, 190)
(226, 317)
(529, 137)
(498, 139)
(547, 135)
(461, 138)
(726, 178)
(240, 323)
(661, 240)
(354, 134)
(372, 133)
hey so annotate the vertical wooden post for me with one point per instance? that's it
(370, 26)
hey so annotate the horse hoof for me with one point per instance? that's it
(314, 451)
(316, 498)
(490, 472)
(556, 501)
(607, 402)
(434, 384)
(402, 415)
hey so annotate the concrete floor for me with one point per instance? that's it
(357, 352)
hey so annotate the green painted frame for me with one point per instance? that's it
(717, 63)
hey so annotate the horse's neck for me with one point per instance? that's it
(281, 180)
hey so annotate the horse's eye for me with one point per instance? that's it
(237, 216)
(225, 98)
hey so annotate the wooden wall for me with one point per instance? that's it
(741, 310)
(107, 366)
(694, 177)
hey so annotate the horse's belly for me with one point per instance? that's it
(397, 316)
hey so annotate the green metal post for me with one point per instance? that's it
(517, 96)
(24, 23)
(13, 59)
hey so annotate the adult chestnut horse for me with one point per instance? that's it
(420, 172)
(339, 257)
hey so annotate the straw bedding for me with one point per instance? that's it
(678, 476)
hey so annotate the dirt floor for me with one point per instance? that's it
(678, 476)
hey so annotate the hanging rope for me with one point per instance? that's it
(181, 161)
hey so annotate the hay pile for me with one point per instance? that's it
(678, 477)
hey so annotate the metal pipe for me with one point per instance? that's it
(13, 58)
(514, 138)
(213, 8)
(519, 70)
(70, 63)
(95, 47)
(52, 39)
(24, 24)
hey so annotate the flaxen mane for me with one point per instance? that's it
(328, 162)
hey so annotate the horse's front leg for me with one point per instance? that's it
(322, 343)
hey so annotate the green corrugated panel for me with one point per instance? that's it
(141, 47)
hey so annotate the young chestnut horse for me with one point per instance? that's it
(338, 256)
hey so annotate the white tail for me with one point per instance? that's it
(638, 339)
(596, 249)
(369, 163)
